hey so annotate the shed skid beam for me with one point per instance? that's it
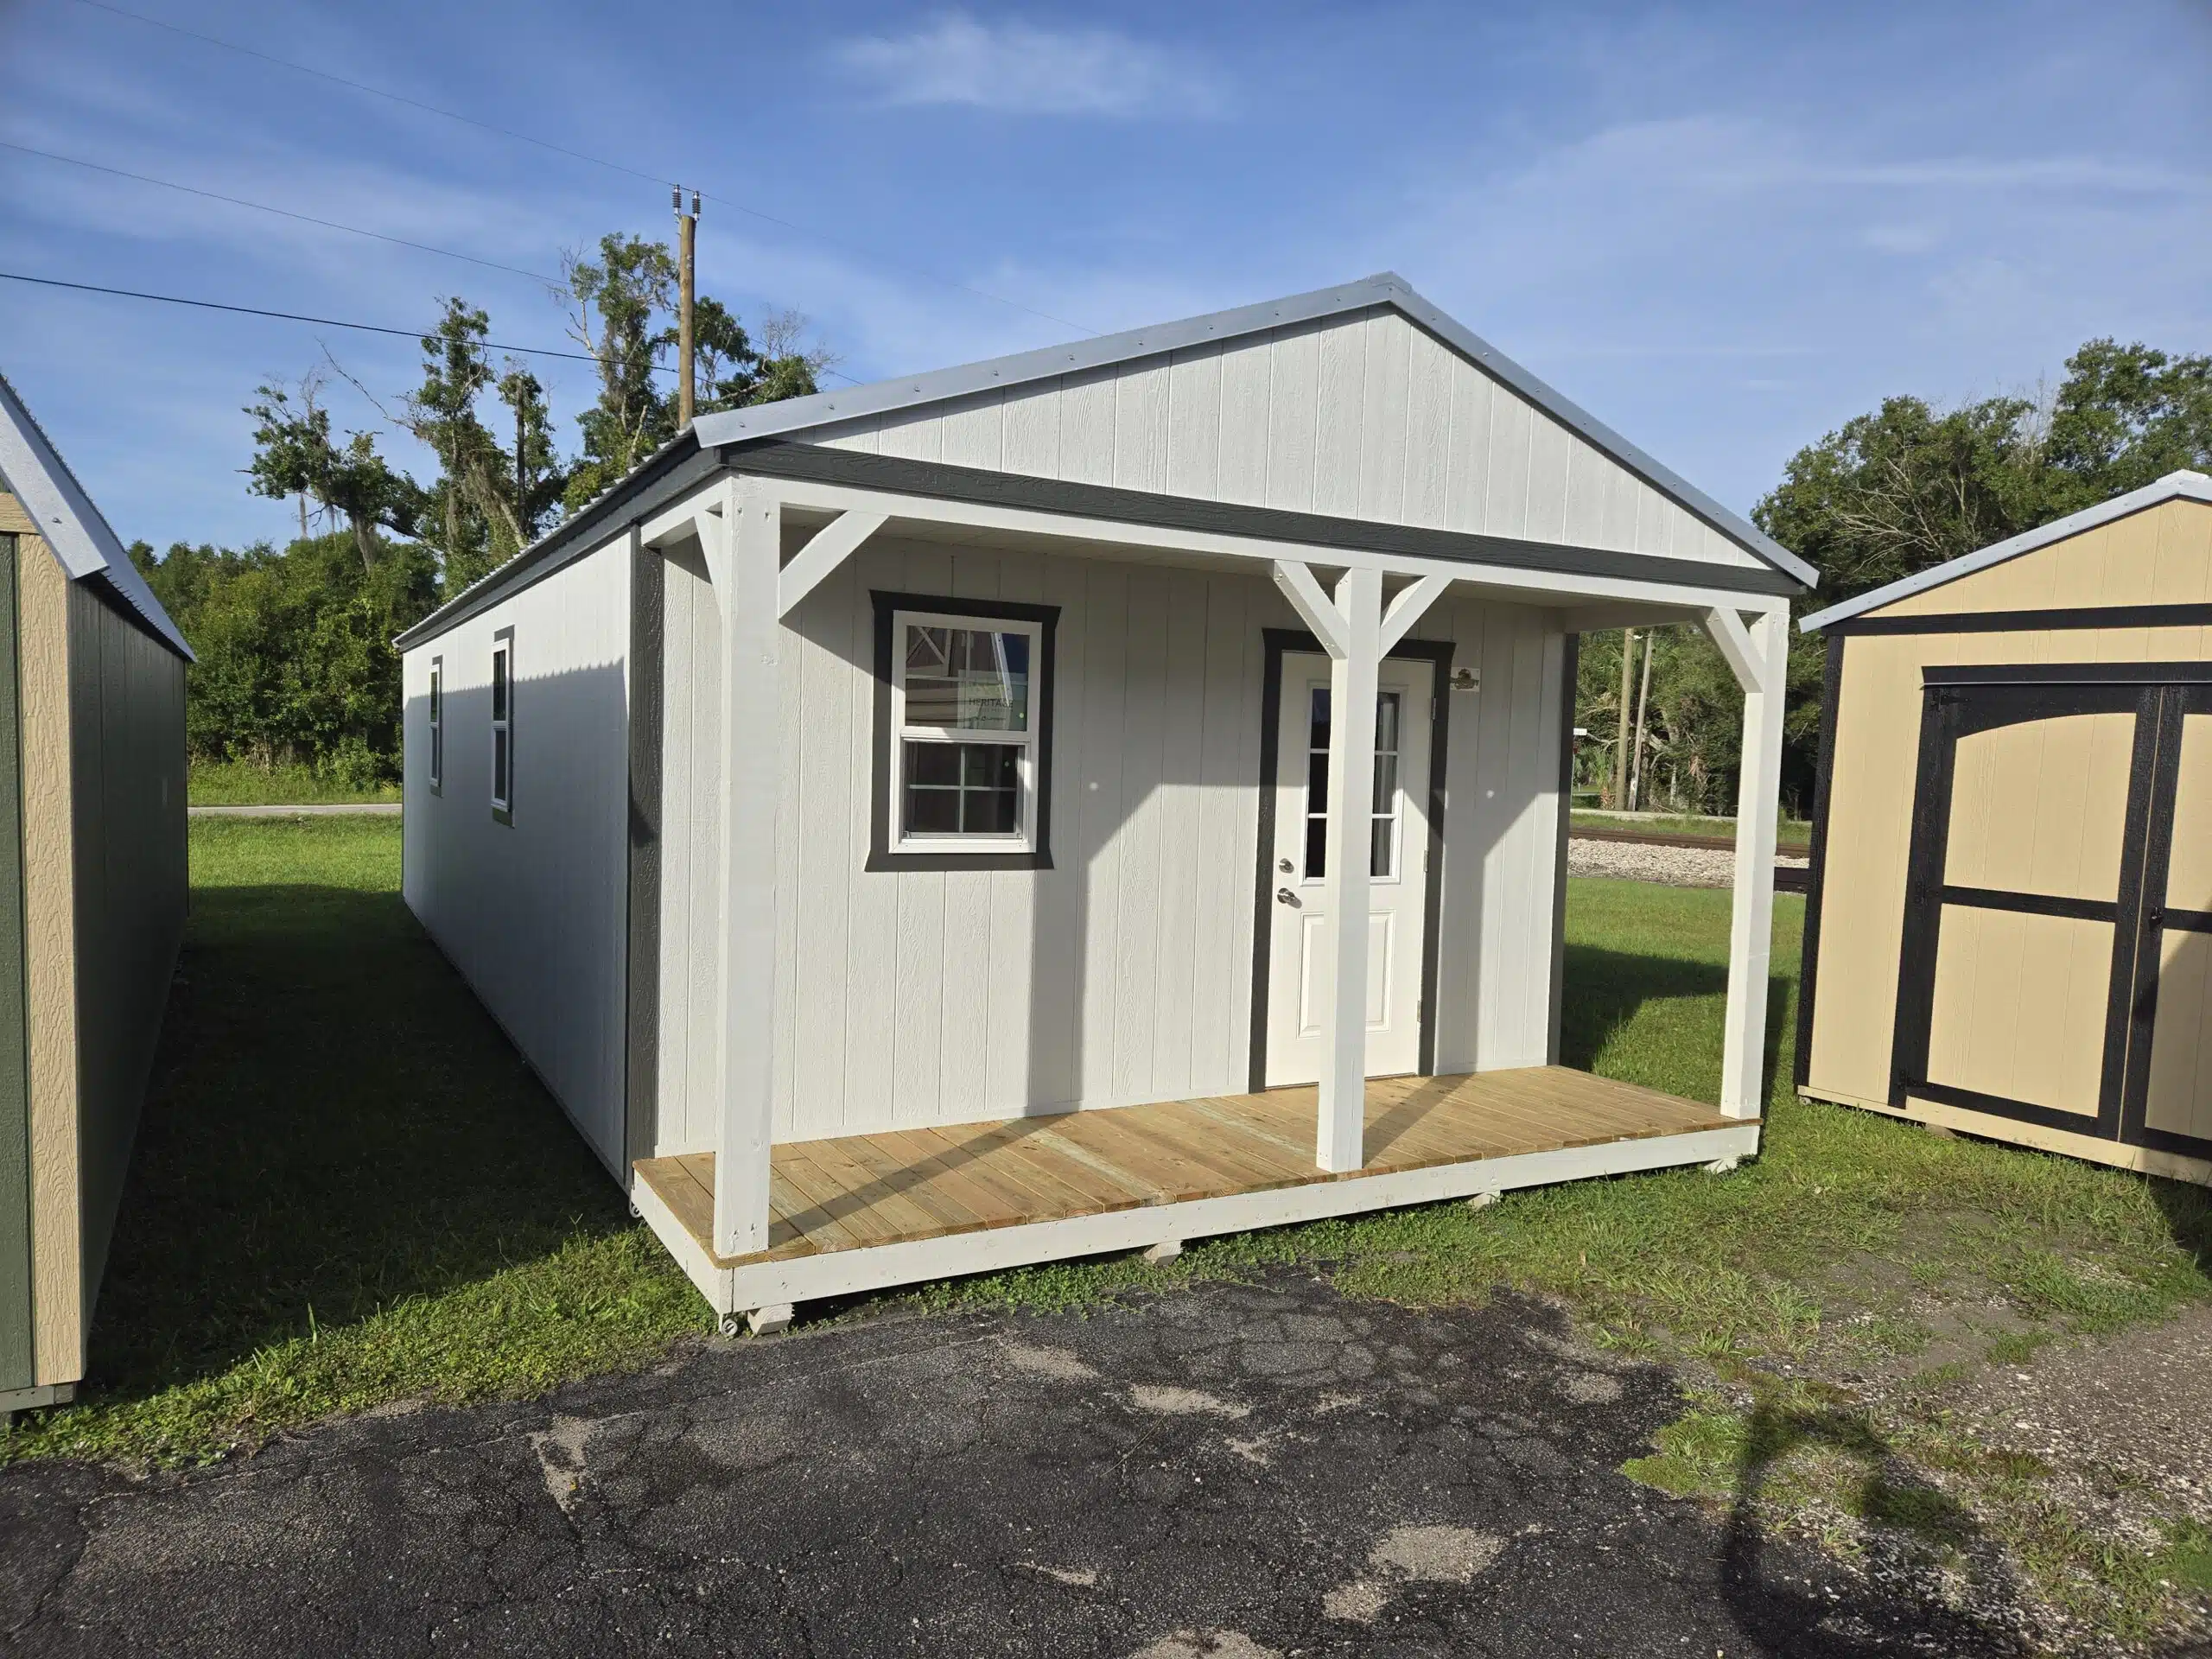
(742, 562)
(1763, 648)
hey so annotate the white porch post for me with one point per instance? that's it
(743, 554)
(1340, 1139)
(1760, 657)
(1357, 633)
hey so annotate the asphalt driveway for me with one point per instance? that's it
(1232, 1471)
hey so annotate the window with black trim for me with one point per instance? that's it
(503, 725)
(963, 733)
(437, 744)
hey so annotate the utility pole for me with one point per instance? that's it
(1628, 696)
(687, 225)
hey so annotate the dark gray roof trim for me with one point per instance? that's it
(819, 464)
(676, 469)
(835, 408)
(2184, 485)
(31, 470)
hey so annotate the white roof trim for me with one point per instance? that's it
(835, 408)
(2187, 486)
(31, 470)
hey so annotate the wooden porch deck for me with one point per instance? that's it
(866, 1192)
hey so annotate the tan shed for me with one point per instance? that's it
(91, 894)
(2010, 931)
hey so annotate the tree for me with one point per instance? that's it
(1905, 486)
(538, 476)
(618, 305)
(293, 455)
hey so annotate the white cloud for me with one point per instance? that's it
(1018, 68)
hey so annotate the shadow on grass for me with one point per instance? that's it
(1605, 990)
(1881, 1491)
(334, 1125)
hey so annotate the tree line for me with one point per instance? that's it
(1890, 492)
(296, 664)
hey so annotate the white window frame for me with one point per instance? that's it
(1029, 741)
(502, 801)
(437, 759)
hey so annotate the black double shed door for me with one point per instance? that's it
(2057, 965)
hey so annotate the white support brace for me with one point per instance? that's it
(671, 523)
(742, 557)
(1408, 606)
(1759, 655)
(1314, 606)
(826, 548)
(1728, 632)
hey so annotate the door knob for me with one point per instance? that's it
(1285, 896)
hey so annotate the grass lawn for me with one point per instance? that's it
(238, 783)
(1794, 835)
(348, 1190)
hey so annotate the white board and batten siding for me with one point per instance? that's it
(1367, 415)
(534, 912)
(1125, 973)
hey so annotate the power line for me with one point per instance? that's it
(580, 155)
(294, 316)
(282, 212)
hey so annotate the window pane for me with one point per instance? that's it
(1318, 720)
(989, 765)
(435, 679)
(1317, 841)
(1386, 723)
(1386, 782)
(1316, 781)
(1378, 862)
(989, 811)
(933, 763)
(499, 685)
(967, 678)
(499, 766)
(932, 812)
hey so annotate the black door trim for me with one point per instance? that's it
(1438, 654)
(2180, 702)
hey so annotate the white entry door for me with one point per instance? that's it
(1398, 840)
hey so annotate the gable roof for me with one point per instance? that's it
(2185, 485)
(802, 414)
(31, 470)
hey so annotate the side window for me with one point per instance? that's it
(503, 725)
(437, 746)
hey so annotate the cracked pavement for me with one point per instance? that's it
(1228, 1472)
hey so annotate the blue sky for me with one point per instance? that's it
(1724, 230)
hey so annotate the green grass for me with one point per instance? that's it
(1791, 833)
(240, 783)
(349, 1192)
(347, 1188)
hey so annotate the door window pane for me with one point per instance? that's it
(1383, 835)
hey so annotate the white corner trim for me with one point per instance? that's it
(1316, 608)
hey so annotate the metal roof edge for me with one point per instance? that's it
(663, 466)
(1385, 289)
(2182, 485)
(83, 541)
